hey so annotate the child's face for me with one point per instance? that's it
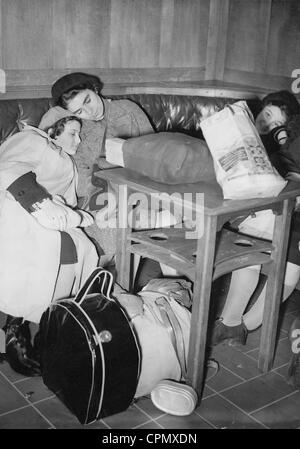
(270, 117)
(69, 139)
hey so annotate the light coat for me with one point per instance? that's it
(30, 253)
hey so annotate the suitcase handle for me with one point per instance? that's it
(105, 286)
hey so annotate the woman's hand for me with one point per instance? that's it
(75, 218)
(55, 214)
(86, 218)
(51, 215)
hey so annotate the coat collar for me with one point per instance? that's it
(26, 127)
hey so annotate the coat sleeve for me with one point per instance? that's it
(140, 122)
(27, 191)
(20, 156)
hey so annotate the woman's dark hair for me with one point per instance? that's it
(58, 127)
(285, 100)
(66, 87)
(70, 94)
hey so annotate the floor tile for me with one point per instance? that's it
(283, 371)
(283, 414)
(10, 373)
(34, 389)
(236, 362)
(61, 417)
(224, 415)
(192, 421)
(282, 353)
(149, 425)
(258, 392)
(26, 418)
(10, 399)
(223, 379)
(129, 419)
(207, 392)
(147, 406)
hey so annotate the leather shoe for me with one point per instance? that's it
(232, 335)
(19, 351)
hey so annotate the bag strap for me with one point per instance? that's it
(172, 325)
(168, 315)
(105, 287)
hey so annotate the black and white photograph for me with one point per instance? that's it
(149, 218)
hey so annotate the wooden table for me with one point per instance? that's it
(215, 212)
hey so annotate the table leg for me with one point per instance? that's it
(274, 286)
(123, 256)
(202, 289)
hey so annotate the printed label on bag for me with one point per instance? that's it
(250, 158)
(229, 160)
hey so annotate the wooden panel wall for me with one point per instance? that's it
(263, 42)
(142, 43)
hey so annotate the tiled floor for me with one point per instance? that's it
(239, 396)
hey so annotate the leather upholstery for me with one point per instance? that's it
(177, 113)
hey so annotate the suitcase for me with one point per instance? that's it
(90, 357)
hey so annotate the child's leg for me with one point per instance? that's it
(254, 317)
(243, 283)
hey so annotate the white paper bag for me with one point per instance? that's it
(242, 166)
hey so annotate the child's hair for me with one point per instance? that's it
(285, 100)
(58, 127)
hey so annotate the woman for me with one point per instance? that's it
(278, 124)
(44, 253)
(80, 94)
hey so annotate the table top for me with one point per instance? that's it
(214, 202)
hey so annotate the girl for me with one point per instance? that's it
(45, 255)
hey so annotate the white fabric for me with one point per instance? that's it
(30, 253)
(260, 225)
(159, 359)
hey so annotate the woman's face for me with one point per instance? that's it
(87, 105)
(69, 139)
(270, 117)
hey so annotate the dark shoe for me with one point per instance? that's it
(232, 335)
(293, 377)
(19, 351)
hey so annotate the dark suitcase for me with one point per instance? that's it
(90, 357)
